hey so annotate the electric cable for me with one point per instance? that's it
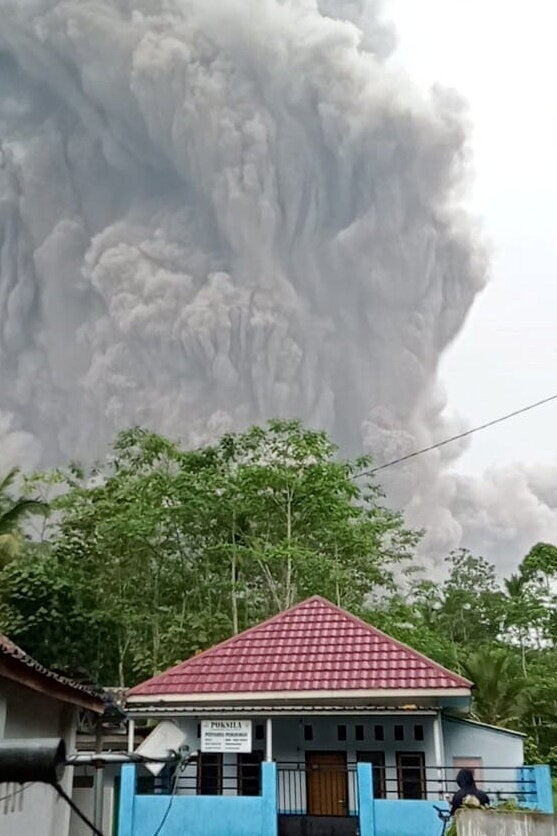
(61, 792)
(180, 768)
(499, 420)
(16, 792)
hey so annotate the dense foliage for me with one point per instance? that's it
(159, 552)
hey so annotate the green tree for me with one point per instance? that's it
(502, 692)
(168, 551)
(41, 608)
(471, 599)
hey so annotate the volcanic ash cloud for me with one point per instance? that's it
(213, 213)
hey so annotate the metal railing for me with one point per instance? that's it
(326, 790)
(319, 790)
(228, 779)
(501, 783)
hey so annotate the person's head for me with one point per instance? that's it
(465, 779)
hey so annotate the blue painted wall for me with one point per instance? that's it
(257, 816)
(366, 803)
(379, 817)
(202, 815)
(537, 779)
(407, 818)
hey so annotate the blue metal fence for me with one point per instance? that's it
(529, 786)
(198, 815)
(285, 792)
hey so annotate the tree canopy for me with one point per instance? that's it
(158, 552)
(164, 551)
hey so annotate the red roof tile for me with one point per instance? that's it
(314, 646)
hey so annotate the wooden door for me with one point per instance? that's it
(327, 784)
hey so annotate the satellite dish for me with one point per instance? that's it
(165, 738)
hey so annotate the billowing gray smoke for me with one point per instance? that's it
(216, 212)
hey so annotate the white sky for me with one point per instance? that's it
(502, 55)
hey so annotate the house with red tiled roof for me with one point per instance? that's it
(341, 714)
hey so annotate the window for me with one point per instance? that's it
(83, 782)
(359, 732)
(378, 733)
(377, 760)
(418, 732)
(341, 732)
(399, 732)
(410, 768)
(249, 773)
(259, 732)
(308, 732)
(209, 773)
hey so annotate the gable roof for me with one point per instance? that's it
(17, 665)
(312, 647)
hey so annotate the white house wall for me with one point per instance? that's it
(496, 749)
(84, 797)
(500, 752)
(27, 714)
(290, 746)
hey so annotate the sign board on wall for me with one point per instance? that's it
(226, 735)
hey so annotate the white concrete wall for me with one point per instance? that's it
(460, 740)
(37, 811)
(290, 747)
(84, 797)
(478, 823)
(496, 749)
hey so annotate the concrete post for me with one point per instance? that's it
(542, 777)
(366, 801)
(439, 751)
(269, 813)
(131, 734)
(127, 800)
(269, 739)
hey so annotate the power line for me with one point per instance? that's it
(76, 810)
(457, 437)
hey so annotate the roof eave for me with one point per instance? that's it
(21, 673)
(196, 711)
(254, 697)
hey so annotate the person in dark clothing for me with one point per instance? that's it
(467, 786)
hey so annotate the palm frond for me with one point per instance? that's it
(21, 508)
(8, 479)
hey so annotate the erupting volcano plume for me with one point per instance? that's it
(212, 213)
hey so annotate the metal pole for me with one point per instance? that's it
(269, 739)
(99, 780)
